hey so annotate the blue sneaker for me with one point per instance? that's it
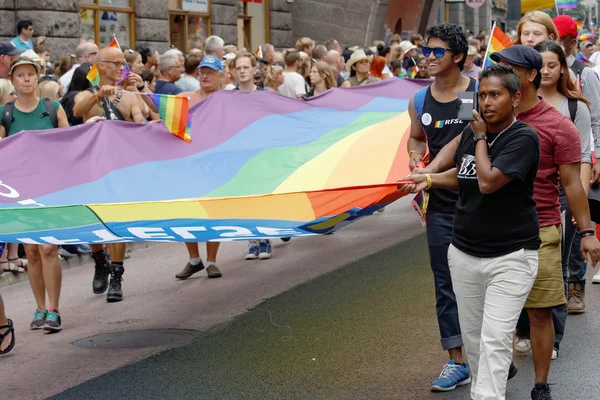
(452, 375)
(252, 250)
(265, 251)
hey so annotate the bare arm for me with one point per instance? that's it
(444, 180)
(346, 84)
(63, 122)
(417, 142)
(2, 132)
(490, 178)
(84, 102)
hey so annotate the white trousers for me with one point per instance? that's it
(490, 293)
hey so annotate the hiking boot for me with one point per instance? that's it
(102, 270)
(576, 303)
(213, 271)
(189, 270)
(39, 317)
(452, 375)
(541, 391)
(53, 322)
(115, 293)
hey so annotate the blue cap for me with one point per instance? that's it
(522, 56)
(211, 62)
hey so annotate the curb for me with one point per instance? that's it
(9, 279)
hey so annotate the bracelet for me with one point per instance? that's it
(429, 183)
(587, 233)
(413, 151)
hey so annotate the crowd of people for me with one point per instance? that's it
(502, 188)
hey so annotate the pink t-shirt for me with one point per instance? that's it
(560, 144)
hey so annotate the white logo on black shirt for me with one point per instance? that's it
(467, 167)
(426, 119)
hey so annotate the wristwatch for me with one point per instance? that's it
(477, 138)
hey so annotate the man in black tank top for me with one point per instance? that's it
(434, 123)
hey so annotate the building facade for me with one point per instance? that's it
(186, 23)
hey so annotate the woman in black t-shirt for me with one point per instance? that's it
(493, 258)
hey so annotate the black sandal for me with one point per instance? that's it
(14, 269)
(21, 264)
(10, 331)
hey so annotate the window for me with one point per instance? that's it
(101, 19)
(253, 26)
(189, 23)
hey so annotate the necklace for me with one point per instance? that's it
(503, 130)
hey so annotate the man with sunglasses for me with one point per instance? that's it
(111, 102)
(433, 113)
(24, 34)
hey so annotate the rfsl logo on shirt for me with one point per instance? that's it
(444, 122)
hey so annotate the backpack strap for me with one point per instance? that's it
(7, 117)
(51, 111)
(572, 108)
(577, 67)
(419, 101)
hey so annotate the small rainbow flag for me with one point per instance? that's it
(439, 124)
(259, 53)
(174, 111)
(420, 203)
(114, 43)
(579, 25)
(498, 42)
(414, 73)
(93, 76)
(566, 4)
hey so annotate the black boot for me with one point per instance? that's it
(102, 267)
(115, 293)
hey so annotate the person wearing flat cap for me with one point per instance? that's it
(560, 154)
(7, 52)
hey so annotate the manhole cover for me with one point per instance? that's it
(137, 339)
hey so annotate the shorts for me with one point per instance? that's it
(548, 289)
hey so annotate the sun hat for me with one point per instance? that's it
(356, 57)
(407, 46)
(24, 61)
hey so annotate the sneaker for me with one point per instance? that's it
(596, 278)
(115, 293)
(523, 345)
(554, 354)
(53, 321)
(576, 302)
(39, 317)
(252, 250)
(452, 375)
(541, 391)
(265, 251)
(213, 272)
(102, 270)
(189, 270)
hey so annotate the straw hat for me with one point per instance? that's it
(407, 46)
(356, 57)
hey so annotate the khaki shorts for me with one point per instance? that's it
(548, 289)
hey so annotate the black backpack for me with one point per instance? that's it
(572, 108)
(51, 112)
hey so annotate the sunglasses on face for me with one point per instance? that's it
(438, 52)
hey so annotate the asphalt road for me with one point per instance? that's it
(347, 316)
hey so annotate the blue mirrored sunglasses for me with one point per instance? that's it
(438, 52)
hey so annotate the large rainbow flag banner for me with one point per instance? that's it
(498, 42)
(566, 4)
(174, 111)
(261, 166)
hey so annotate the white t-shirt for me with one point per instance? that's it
(293, 85)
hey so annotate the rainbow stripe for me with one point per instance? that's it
(566, 4)
(498, 42)
(414, 72)
(420, 204)
(260, 166)
(439, 124)
(174, 111)
(259, 53)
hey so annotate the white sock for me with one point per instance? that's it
(195, 261)
(211, 263)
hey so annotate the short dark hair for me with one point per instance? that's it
(454, 36)
(383, 50)
(510, 78)
(145, 51)
(23, 25)
(291, 57)
(192, 62)
(396, 64)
